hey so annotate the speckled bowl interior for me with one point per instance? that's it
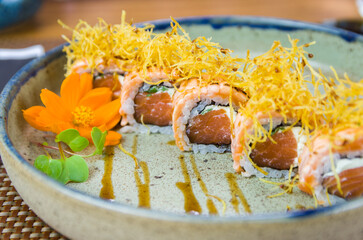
(177, 194)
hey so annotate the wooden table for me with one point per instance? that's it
(44, 29)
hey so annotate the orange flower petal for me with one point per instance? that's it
(70, 92)
(86, 84)
(111, 124)
(85, 132)
(31, 115)
(96, 98)
(54, 105)
(58, 127)
(46, 118)
(113, 138)
(74, 88)
(107, 113)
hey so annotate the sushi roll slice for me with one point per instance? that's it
(105, 51)
(270, 132)
(147, 99)
(333, 164)
(110, 75)
(277, 152)
(202, 116)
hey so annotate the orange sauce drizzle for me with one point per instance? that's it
(191, 204)
(237, 192)
(107, 187)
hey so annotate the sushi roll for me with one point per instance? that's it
(333, 161)
(147, 99)
(202, 116)
(105, 51)
(277, 152)
(333, 164)
(108, 74)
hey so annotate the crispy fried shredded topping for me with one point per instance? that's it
(287, 186)
(276, 82)
(104, 45)
(129, 48)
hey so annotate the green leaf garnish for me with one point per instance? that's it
(74, 168)
(52, 167)
(77, 169)
(72, 138)
(42, 163)
(55, 168)
(98, 138)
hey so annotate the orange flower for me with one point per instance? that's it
(79, 107)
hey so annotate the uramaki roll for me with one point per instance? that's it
(345, 149)
(269, 155)
(105, 74)
(147, 103)
(202, 116)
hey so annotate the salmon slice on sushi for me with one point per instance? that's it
(147, 99)
(333, 164)
(202, 116)
(272, 155)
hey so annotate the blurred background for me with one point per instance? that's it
(43, 27)
(24, 23)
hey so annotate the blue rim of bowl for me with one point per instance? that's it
(31, 69)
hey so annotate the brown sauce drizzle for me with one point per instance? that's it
(172, 143)
(191, 204)
(210, 205)
(237, 192)
(143, 188)
(107, 187)
(134, 145)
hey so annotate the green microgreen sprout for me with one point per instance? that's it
(73, 168)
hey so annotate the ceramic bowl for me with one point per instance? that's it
(151, 203)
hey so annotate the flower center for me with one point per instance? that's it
(83, 116)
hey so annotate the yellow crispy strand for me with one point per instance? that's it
(142, 122)
(220, 200)
(257, 167)
(129, 154)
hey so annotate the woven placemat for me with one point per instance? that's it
(17, 221)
